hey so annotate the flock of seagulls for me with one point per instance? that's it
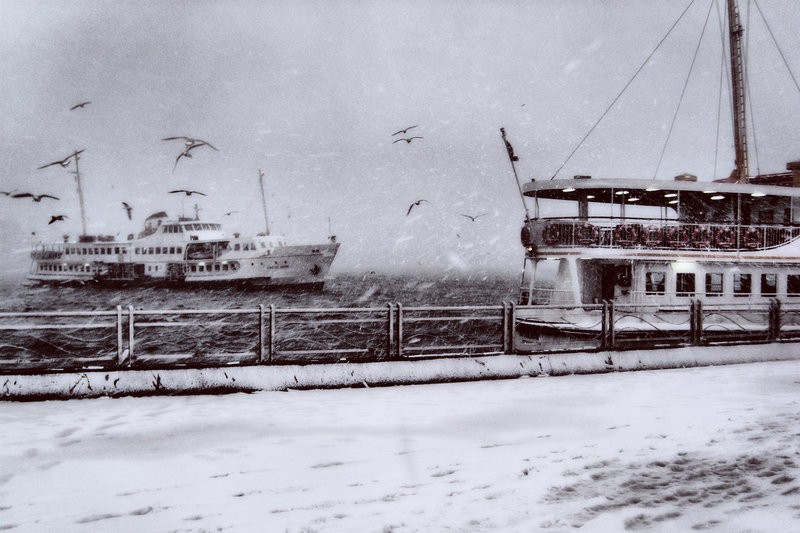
(408, 140)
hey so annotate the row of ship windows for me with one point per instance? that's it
(64, 268)
(116, 250)
(686, 284)
(173, 228)
(216, 267)
(159, 250)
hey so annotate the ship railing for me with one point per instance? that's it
(603, 232)
(130, 338)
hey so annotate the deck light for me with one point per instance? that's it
(621, 193)
(718, 197)
(568, 189)
(651, 189)
(670, 195)
(673, 202)
(709, 192)
(758, 194)
(633, 199)
(589, 196)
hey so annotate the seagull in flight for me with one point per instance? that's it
(81, 105)
(229, 213)
(418, 202)
(7, 193)
(190, 142)
(64, 162)
(128, 209)
(34, 197)
(403, 131)
(187, 192)
(56, 218)
(471, 217)
(406, 139)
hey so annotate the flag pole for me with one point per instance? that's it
(512, 158)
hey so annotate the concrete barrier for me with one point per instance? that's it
(313, 376)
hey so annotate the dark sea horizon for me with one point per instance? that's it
(342, 290)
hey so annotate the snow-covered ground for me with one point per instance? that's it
(711, 448)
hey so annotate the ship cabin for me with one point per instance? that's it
(661, 242)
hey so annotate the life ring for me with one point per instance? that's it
(551, 234)
(724, 237)
(751, 238)
(653, 236)
(701, 237)
(526, 235)
(587, 234)
(678, 236)
(626, 234)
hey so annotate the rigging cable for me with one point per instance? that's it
(683, 91)
(664, 38)
(780, 51)
(723, 76)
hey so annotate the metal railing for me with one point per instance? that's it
(658, 234)
(128, 338)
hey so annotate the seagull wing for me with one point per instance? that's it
(47, 196)
(178, 190)
(22, 195)
(176, 138)
(198, 192)
(50, 164)
(410, 208)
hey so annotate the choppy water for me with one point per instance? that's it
(222, 338)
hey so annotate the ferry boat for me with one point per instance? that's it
(184, 251)
(656, 248)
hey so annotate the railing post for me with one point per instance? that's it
(260, 333)
(612, 336)
(512, 328)
(504, 321)
(698, 310)
(604, 326)
(389, 330)
(119, 336)
(399, 330)
(776, 320)
(692, 323)
(130, 335)
(271, 343)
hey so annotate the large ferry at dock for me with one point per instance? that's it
(659, 250)
(183, 251)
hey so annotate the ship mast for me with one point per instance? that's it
(80, 193)
(735, 32)
(263, 200)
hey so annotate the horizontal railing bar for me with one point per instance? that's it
(450, 318)
(289, 310)
(283, 353)
(23, 327)
(339, 321)
(19, 314)
(455, 308)
(144, 312)
(408, 348)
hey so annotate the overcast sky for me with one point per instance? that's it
(311, 92)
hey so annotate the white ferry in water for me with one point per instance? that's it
(653, 248)
(187, 252)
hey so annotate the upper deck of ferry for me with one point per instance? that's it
(662, 215)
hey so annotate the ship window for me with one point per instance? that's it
(150, 250)
(172, 249)
(263, 246)
(684, 284)
(216, 267)
(793, 285)
(742, 284)
(654, 282)
(714, 284)
(236, 247)
(179, 250)
(769, 284)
